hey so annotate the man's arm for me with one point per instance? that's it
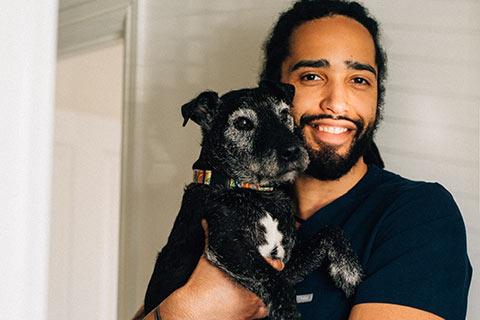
(386, 311)
(210, 294)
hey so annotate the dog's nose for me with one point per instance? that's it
(291, 153)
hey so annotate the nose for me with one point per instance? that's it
(334, 99)
(290, 153)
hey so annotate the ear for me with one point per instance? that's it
(284, 91)
(202, 109)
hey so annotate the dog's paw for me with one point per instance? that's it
(346, 273)
(291, 314)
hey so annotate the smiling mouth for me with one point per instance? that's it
(330, 129)
(332, 133)
(330, 124)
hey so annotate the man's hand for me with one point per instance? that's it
(210, 294)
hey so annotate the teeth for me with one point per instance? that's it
(333, 130)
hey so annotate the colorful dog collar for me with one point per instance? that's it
(208, 177)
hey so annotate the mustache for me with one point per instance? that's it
(307, 119)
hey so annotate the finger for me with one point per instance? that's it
(277, 264)
(261, 313)
(205, 229)
(205, 225)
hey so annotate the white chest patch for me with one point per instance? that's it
(273, 237)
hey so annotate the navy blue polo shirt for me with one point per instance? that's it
(411, 242)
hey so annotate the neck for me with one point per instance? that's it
(313, 194)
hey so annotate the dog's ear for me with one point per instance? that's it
(202, 109)
(284, 91)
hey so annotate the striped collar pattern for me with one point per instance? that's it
(205, 177)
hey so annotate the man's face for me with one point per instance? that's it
(332, 66)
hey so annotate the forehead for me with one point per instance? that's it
(336, 39)
(251, 99)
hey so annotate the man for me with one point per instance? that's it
(409, 236)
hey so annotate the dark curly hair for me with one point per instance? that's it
(277, 46)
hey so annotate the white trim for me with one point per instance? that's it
(126, 293)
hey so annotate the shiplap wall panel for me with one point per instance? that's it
(450, 48)
(434, 77)
(433, 109)
(199, 8)
(458, 15)
(426, 168)
(424, 138)
(431, 127)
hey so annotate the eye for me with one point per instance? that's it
(361, 81)
(310, 77)
(284, 114)
(243, 124)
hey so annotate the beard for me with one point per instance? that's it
(326, 163)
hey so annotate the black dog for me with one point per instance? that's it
(250, 148)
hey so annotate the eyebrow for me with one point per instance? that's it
(323, 63)
(360, 66)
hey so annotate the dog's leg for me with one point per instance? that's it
(328, 245)
(283, 304)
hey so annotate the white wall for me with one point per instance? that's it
(27, 68)
(431, 127)
(85, 216)
(92, 82)
(432, 111)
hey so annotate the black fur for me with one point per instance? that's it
(248, 135)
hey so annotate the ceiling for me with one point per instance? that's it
(87, 23)
(65, 4)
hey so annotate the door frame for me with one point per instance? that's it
(78, 32)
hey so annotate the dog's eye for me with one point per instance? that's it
(284, 114)
(243, 124)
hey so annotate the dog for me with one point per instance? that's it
(250, 151)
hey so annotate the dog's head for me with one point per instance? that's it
(249, 134)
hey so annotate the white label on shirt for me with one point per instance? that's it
(304, 298)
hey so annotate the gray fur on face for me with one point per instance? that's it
(240, 138)
(249, 166)
(283, 111)
(268, 167)
(265, 167)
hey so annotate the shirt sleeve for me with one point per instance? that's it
(419, 256)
